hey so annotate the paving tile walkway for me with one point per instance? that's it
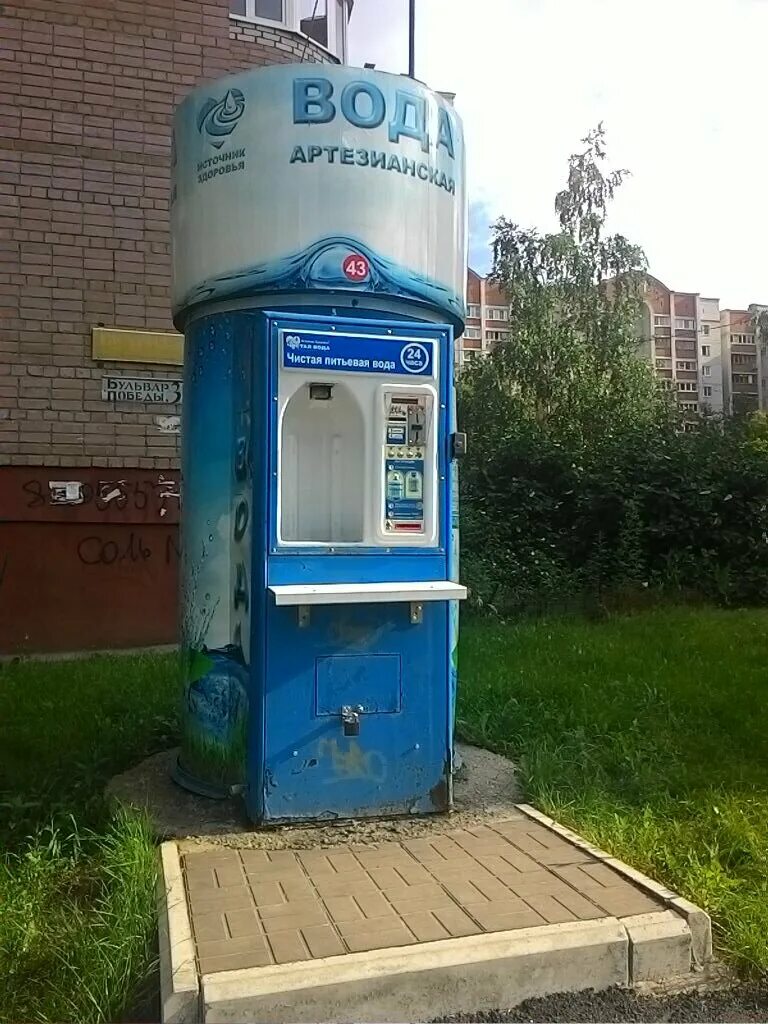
(250, 908)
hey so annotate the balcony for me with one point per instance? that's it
(737, 366)
(744, 350)
(745, 403)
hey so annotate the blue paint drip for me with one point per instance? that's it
(319, 267)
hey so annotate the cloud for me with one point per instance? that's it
(679, 85)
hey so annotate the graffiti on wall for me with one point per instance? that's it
(162, 492)
(131, 547)
(108, 536)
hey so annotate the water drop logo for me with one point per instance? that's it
(218, 118)
(415, 358)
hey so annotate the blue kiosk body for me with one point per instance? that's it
(320, 542)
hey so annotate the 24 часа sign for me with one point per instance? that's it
(306, 178)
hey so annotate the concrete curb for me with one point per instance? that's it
(698, 921)
(659, 946)
(427, 980)
(179, 983)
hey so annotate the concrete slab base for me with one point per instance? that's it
(469, 918)
(486, 785)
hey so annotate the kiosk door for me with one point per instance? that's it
(355, 721)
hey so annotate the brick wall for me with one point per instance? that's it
(473, 288)
(87, 92)
(685, 305)
(657, 296)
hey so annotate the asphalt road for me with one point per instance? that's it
(744, 1003)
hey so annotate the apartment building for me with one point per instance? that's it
(487, 319)
(680, 334)
(89, 363)
(744, 366)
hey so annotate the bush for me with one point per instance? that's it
(636, 515)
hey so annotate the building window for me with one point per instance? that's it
(324, 21)
(684, 324)
(473, 332)
(743, 378)
(707, 390)
(661, 320)
(690, 406)
(686, 364)
(666, 384)
(662, 362)
(742, 358)
(706, 350)
(705, 330)
(742, 339)
(497, 335)
(497, 313)
(473, 311)
(687, 385)
(706, 371)
(270, 10)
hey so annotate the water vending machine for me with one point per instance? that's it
(319, 266)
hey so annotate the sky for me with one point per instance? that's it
(682, 90)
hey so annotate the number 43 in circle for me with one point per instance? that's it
(356, 267)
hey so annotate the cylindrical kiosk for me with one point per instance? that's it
(318, 220)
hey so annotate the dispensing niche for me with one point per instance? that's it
(322, 466)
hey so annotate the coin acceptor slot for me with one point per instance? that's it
(405, 452)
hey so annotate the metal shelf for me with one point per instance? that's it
(368, 593)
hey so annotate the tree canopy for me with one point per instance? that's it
(571, 364)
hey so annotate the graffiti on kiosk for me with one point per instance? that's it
(354, 763)
(215, 710)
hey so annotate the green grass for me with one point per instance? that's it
(646, 733)
(649, 735)
(213, 760)
(77, 900)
